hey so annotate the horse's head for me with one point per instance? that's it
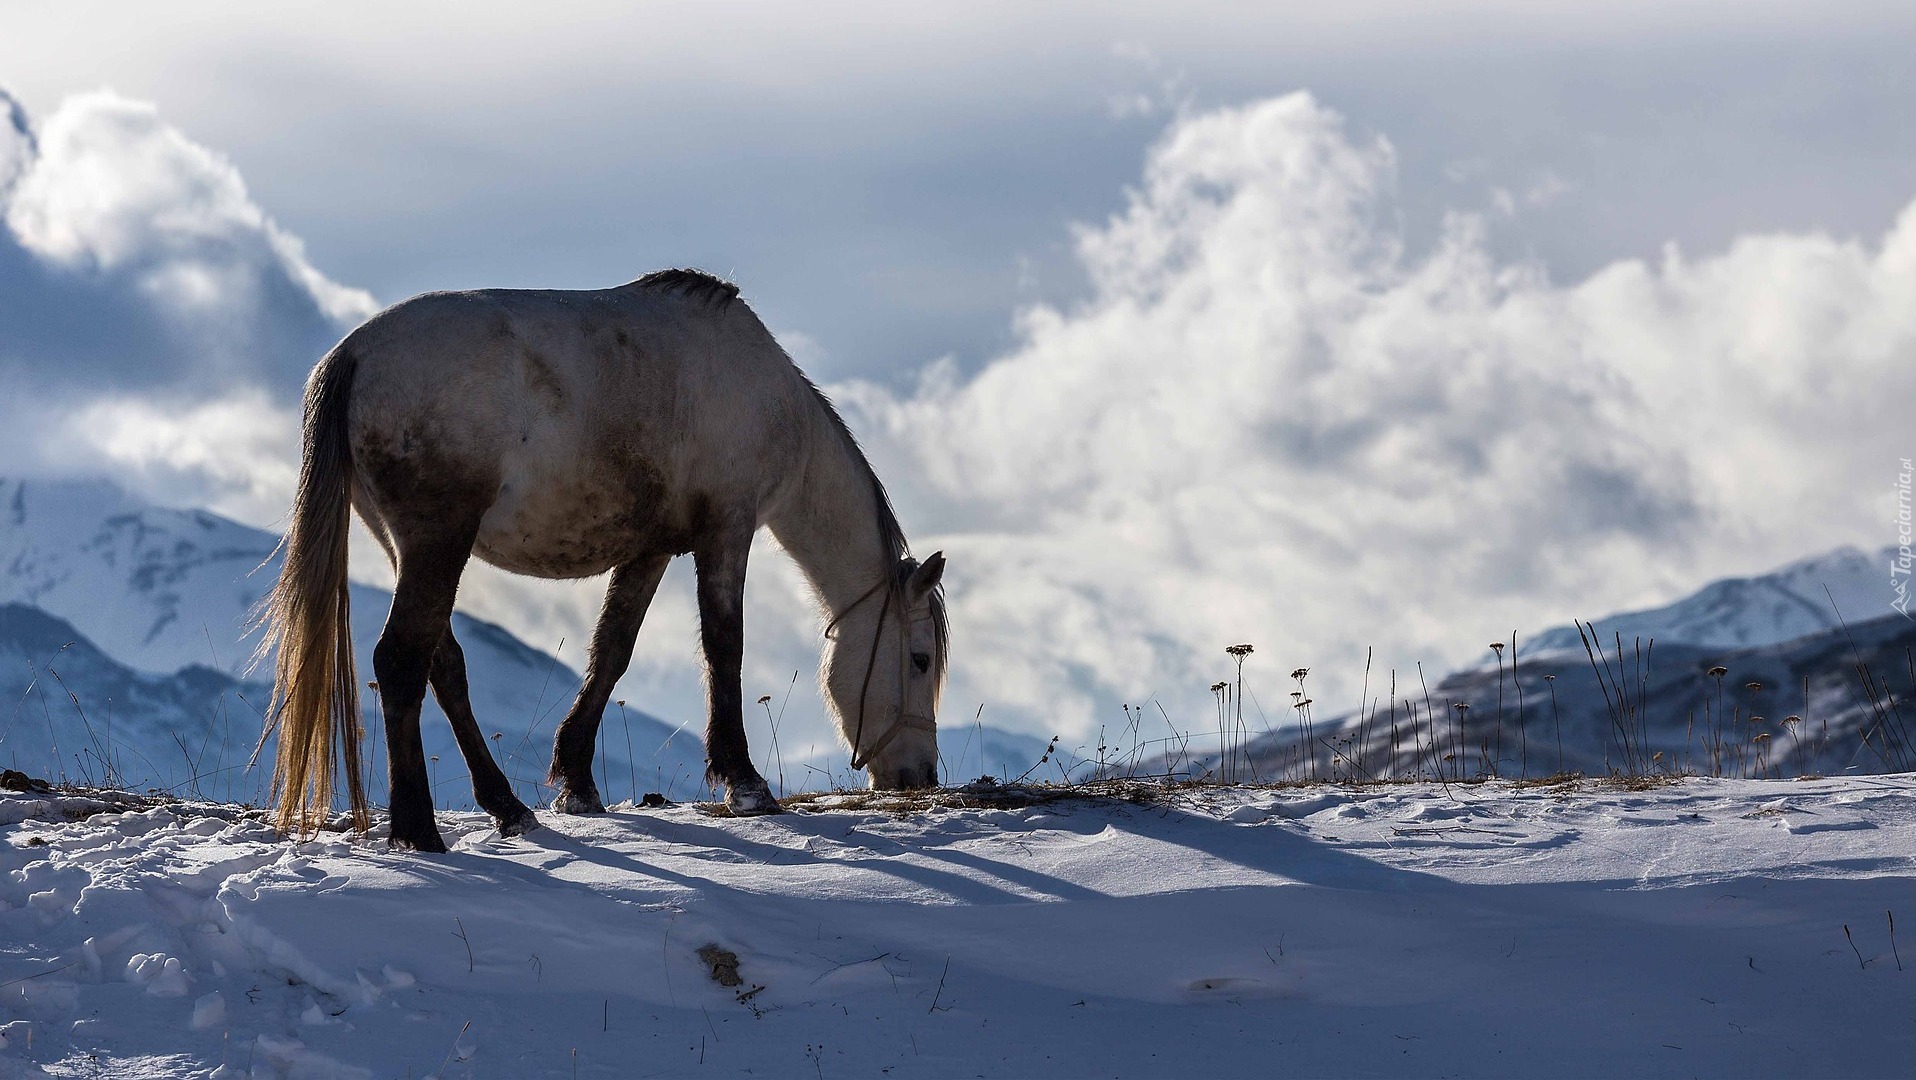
(884, 666)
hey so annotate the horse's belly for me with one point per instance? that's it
(561, 529)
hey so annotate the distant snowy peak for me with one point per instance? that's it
(161, 589)
(156, 588)
(158, 602)
(1787, 603)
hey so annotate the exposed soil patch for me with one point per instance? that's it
(724, 965)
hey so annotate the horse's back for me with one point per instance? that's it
(594, 426)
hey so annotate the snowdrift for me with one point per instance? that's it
(1713, 927)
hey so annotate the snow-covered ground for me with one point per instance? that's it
(1692, 929)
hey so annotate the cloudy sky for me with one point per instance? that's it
(1396, 327)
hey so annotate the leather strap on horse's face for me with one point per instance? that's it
(861, 756)
(905, 720)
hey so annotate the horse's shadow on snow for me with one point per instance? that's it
(931, 860)
(706, 841)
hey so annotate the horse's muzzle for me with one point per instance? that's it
(908, 778)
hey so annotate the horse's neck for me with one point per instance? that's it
(829, 524)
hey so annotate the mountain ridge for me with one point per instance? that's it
(1651, 705)
(1805, 596)
(164, 591)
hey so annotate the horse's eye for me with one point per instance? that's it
(921, 661)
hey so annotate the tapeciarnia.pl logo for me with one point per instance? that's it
(1899, 567)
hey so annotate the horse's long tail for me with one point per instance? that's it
(307, 618)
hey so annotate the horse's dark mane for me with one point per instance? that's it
(704, 288)
(696, 285)
(891, 535)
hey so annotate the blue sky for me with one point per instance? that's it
(894, 184)
(1523, 311)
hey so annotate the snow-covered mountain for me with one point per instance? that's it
(72, 712)
(157, 603)
(162, 597)
(1767, 609)
(1800, 707)
(156, 589)
(1792, 697)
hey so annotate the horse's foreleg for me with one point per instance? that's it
(626, 601)
(402, 661)
(721, 574)
(489, 786)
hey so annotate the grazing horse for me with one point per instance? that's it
(562, 435)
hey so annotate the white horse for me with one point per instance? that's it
(564, 434)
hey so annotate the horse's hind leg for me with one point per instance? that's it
(626, 601)
(429, 569)
(489, 786)
(721, 572)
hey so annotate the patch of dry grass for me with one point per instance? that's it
(988, 795)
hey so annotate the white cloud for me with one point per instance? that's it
(156, 319)
(238, 455)
(113, 187)
(1271, 424)
(1546, 188)
(1167, 91)
(124, 220)
(1268, 423)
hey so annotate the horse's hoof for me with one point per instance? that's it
(518, 824)
(429, 842)
(751, 799)
(579, 802)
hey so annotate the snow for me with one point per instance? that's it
(1690, 929)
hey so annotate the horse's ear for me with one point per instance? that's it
(925, 578)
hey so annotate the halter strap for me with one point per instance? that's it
(905, 720)
(862, 756)
(831, 628)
